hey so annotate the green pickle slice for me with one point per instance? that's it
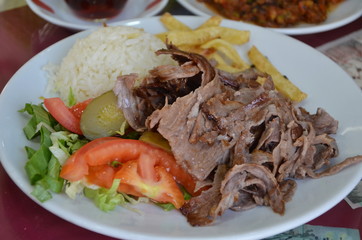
(102, 117)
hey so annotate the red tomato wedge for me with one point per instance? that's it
(75, 168)
(102, 175)
(148, 157)
(62, 114)
(78, 108)
(163, 190)
(146, 170)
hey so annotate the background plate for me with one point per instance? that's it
(346, 12)
(64, 17)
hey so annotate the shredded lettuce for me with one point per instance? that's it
(123, 128)
(134, 201)
(37, 165)
(71, 98)
(72, 189)
(56, 145)
(166, 206)
(187, 195)
(41, 191)
(65, 144)
(106, 199)
(39, 116)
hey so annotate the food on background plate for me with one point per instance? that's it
(194, 132)
(275, 13)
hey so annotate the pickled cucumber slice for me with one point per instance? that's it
(102, 117)
(155, 139)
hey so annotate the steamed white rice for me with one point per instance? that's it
(93, 64)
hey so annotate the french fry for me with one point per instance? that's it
(211, 22)
(222, 64)
(219, 59)
(189, 48)
(261, 80)
(162, 36)
(281, 83)
(171, 23)
(196, 49)
(227, 50)
(228, 68)
(202, 35)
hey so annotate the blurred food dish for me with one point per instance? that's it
(274, 13)
(59, 13)
(343, 13)
(96, 9)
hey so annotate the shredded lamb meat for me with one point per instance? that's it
(242, 138)
(163, 86)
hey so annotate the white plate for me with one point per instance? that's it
(325, 82)
(345, 13)
(63, 15)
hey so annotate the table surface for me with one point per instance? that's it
(22, 35)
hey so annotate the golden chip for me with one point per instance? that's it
(162, 36)
(202, 35)
(171, 23)
(227, 50)
(196, 49)
(281, 83)
(219, 59)
(211, 22)
(228, 68)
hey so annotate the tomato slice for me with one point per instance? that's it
(62, 114)
(121, 150)
(163, 190)
(78, 108)
(75, 168)
(148, 157)
(168, 161)
(102, 175)
(145, 170)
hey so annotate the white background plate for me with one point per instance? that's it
(346, 12)
(64, 17)
(327, 85)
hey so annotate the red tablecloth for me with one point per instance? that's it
(22, 35)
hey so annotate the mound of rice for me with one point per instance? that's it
(93, 64)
